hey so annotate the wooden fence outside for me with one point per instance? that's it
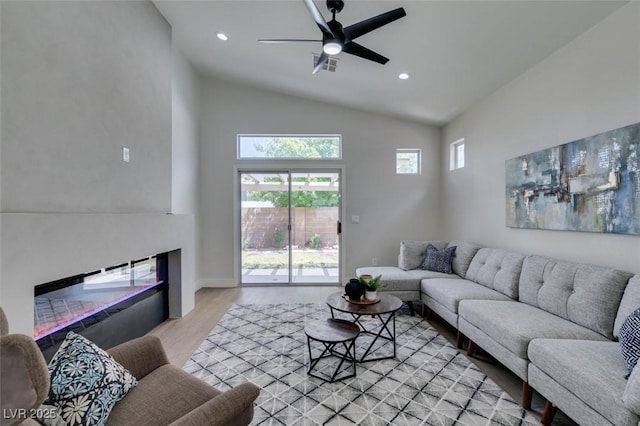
(266, 227)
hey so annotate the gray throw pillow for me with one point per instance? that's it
(439, 260)
(630, 339)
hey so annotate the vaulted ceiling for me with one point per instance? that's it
(456, 52)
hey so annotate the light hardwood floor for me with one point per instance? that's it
(181, 337)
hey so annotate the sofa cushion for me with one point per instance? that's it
(592, 371)
(514, 324)
(161, 397)
(630, 302)
(86, 382)
(412, 252)
(438, 260)
(588, 295)
(497, 269)
(463, 256)
(631, 395)
(630, 340)
(396, 279)
(449, 292)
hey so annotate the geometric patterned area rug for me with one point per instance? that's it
(428, 383)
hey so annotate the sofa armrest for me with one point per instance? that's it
(24, 376)
(4, 323)
(631, 395)
(140, 356)
(224, 409)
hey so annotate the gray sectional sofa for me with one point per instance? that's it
(553, 323)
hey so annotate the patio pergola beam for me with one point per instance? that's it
(295, 186)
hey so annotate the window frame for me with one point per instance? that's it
(454, 155)
(416, 151)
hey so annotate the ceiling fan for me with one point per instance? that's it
(336, 39)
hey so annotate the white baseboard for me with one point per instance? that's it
(216, 283)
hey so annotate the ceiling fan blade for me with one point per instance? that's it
(360, 28)
(356, 49)
(321, 61)
(317, 16)
(285, 40)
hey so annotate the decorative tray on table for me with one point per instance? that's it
(362, 301)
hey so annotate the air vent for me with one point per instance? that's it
(330, 65)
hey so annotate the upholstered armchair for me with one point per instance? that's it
(24, 377)
(164, 395)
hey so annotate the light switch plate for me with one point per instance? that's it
(125, 154)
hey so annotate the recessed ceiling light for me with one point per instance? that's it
(403, 76)
(222, 36)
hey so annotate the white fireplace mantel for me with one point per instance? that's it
(37, 248)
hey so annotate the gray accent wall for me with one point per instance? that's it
(80, 80)
(589, 86)
(391, 207)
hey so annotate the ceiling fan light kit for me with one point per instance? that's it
(336, 39)
(332, 48)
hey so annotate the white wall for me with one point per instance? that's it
(79, 81)
(184, 155)
(590, 86)
(391, 207)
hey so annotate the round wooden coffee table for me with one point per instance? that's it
(384, 311)
(331, 333)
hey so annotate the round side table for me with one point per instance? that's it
(332, 333)
(384, 311)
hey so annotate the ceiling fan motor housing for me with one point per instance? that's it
(335, 6)
(336, 29)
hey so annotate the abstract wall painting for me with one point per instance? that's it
(592, 184)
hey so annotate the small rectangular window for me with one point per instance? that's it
(408, 161)
(457, 155)
(290, 147)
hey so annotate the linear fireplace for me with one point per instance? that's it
(108, 306)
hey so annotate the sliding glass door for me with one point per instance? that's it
(264, 227)
(290, 226)
(315, 219)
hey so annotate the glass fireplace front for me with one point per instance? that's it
(82, 301)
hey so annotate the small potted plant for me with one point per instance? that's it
(371, 285)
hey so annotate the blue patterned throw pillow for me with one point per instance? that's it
(86, 382)
(630, 340)
(439, 260)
